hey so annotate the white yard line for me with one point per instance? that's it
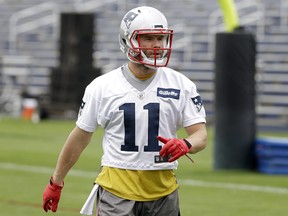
(233, 186)
(44, 170)
(196, 183)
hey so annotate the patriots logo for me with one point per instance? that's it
(129, 18)
(81, 108)
(82, 104)
(197, 102)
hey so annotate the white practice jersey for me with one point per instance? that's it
(132, 119)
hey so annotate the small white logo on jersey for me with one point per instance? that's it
(141, 95)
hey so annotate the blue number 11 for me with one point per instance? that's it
(130, 132)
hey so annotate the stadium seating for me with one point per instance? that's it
(33, 30)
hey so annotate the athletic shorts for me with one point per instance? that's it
(111, 205)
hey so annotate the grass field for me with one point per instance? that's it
(29, 152)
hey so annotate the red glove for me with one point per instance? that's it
(51, 196)
(174, 147)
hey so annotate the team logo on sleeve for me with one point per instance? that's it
(81, 108)
(168, 93)
(197, 101)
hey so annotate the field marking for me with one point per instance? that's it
(44, 170)
(233, 186)
(188, 182)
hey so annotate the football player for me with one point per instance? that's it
(141, 105)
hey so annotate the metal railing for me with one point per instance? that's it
(18, 25)
(92, 5)
(284, 14)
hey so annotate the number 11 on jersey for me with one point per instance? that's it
(153, 110)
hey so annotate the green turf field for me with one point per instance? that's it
(29, 152)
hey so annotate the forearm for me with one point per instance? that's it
(197, 138)
(69, 155)
(66, 160)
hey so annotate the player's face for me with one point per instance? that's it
(151, 41)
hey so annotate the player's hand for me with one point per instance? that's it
(51, 196)
(174, 147)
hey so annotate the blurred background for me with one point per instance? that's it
(34, 47)
(236, 52)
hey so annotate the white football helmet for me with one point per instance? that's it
(145, 20)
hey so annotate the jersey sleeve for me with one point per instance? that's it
(87, 116)
(194, 111)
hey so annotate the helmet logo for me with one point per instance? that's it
(129, 18)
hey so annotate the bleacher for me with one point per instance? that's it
(32, 29)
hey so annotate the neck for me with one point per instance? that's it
(140, 71)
